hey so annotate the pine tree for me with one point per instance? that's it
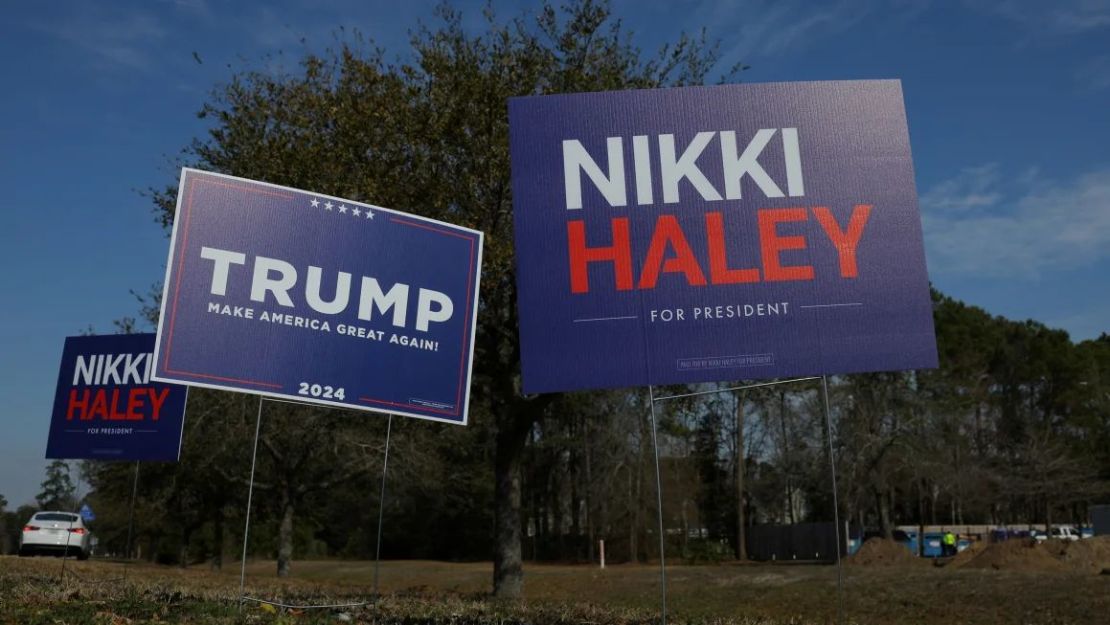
(58, 491)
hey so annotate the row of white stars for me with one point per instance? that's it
(344, 209)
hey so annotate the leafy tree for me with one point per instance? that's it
(3, 525)
(431, 136)
(713, 498)
(302, 452)
(58, 491)
(11, 525)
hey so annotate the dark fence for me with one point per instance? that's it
(1100, 519)
(801, 541)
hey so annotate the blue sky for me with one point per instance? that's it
(1008, 105)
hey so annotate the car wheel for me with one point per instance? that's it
(24, 552)
(82, 555)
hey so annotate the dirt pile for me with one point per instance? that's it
(967, 555)
(1090, 555)
(882, 552)
(1013, 555)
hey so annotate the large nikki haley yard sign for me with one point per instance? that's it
(107, 407)
(303, 296)
(714, 233)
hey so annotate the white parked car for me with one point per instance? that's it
(1058, 533)
(56, 533)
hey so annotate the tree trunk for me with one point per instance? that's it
(934, 495)
(642, 553)
(508, 569)
(741, 547)
(884, 515)
(685, 528)
(183, 552)
(921, 518)
(591, 530)
(789, 496)
(218, 540)
(575, 509)
(285, 537)
(543, 522)
(787, 465)
(535, 513)
(633, 518)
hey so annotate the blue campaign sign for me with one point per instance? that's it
(717, 233)
(87, 513)
(299, 295)
(107, 407)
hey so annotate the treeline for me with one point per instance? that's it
(1014, 427)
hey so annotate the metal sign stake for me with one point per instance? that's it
(832, 466)
(131, 512)
(250, 494)
(659, 502)
(836, 505)
(243, 598)
(381, 506)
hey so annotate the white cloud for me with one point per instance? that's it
(1095, 73)
(199, 6)
(120, 40)
(767, 28)
(1050, 17)
(1078, 16)
(974, 187)
(978, 223)
(750, 30)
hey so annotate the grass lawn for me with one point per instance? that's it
(439, 592)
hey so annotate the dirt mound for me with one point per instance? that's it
(1090, 555)
(1056, 547)
(969, 554)
(1015, 555)
(882, 552)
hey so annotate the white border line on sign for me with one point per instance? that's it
(465, 414)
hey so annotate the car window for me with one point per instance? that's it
(56, 516)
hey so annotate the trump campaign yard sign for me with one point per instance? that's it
(107, 407)
(714, 233)
(308, 297)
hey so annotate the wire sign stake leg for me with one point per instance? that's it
(131, 518)
(381, 507)
(131, 510)
(250, 494)
(836, 505)
(659, 502)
